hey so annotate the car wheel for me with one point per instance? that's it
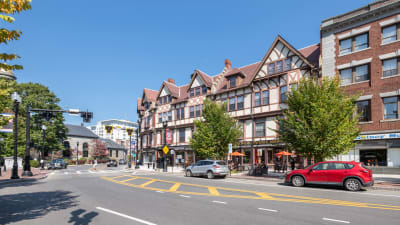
(189, 173)
(298, 181)
(223, 177)
(352, 184)
(210, 175)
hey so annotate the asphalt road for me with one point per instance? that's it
(112, 196)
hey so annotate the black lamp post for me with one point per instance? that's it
(43, 142)
(17, 100)
(130, 151)
(1, 140)
(77, 150)
(27, 165)
(137, 148)
(165, 124)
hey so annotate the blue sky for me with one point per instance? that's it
(99, 55)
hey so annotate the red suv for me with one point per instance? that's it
(350, 175)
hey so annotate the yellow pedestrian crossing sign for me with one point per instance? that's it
(165, 150)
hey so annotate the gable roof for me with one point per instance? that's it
(207, 79)
(173, 89)
(151, 95)
(80, 131)
(139, 104)
(291, 48)
(312, 53)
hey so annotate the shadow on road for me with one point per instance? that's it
(27, 206)
(79, 218)
(24, 183)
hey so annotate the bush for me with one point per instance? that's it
(34, 163)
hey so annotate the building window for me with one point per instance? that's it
(169, 98)
(355, 74)
(232, 82)
(389, 67)
(265, 97)
(355, 43)
(240, 104)
(364, 110)
(232, 104)
(178, 114)
(260, 128)
(288, 64)
(160, 118)
(257, 98)
(170, 116)
(182, 135)
(283, 93)
(204, 89)
(389, 34)
(271, 68)
(182, 113)
(191, 111)
(85, 149)
(198, 111)
(165, 118)
(279, 66)
(390, 108)
(197, 91)
(224, 102)
(191, 92)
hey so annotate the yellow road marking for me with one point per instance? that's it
(213, 191)
(129, 179)
(175, 187)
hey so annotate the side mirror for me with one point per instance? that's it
(310, 170)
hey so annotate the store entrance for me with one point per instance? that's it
(374, 157)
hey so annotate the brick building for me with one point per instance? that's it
(363, 48)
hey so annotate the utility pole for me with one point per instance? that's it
(130, 132)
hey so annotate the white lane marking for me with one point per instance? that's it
(52, 173)
(91, 171)
(160, 192)
(269, 210)
(333, 220)
(219, 202)
(65, 172)
(78, 172)
(185, 196)
(126, 216)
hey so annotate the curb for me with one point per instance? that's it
(12, 181)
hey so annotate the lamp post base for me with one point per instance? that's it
(15, 173)
(27, 173)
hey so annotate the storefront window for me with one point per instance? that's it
(374, 157)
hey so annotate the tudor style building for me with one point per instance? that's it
(255, 94)
(363, 48)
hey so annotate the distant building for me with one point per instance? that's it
(7, 74)
(118, 134)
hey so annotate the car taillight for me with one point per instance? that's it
(215, 166)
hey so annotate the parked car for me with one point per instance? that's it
(122, 162)
(57, 164)
(351, 175)
(112, 162)
(209, 168)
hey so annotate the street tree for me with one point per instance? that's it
(100, 149)
(6, 88)
(8, 8)
(214, 131)
(321, 120)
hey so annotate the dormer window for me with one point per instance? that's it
(165, 99)
(232, 82)
(204, 89)
(191, 92)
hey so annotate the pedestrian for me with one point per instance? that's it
(95, 164)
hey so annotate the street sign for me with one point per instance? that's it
(129, 131)
(108, 129)
(165, 150)
(133, 142)
(169, 136)
(172, 152)
(230, 147)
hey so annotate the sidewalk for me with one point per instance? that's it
(37, 174)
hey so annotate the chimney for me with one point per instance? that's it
(172, 81)
(228, 64)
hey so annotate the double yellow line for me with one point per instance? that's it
(216, 191)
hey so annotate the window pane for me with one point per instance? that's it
(182, 135)
(204, 89)
(361, 42)
(265, 97)
(389, 34)
(165, 116)
(362, 73)
(390, 108)
(346, 76)
(364, 110)
(271, 68)
(288, 64)
(257, 97)
(283, 94)
(232, 82)
(197, 91)
(160, 117)
(178, 114)
(191, 111)
(279, 66)
(260, 129)
(389, 67)
(345, 46)
(240, 102)
(191, 92)
(198, 111)
(232, 104)
(182, 113)
(169, 115)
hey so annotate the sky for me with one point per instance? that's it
(98, 55)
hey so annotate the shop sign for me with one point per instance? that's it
(259, 151)
(262, 142)
(179, 156)
(378, 136)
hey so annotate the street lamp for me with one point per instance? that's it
(17, 100)
(137, 148)
(1, 140)
(77, 150)
(43, 136)
(165, 124)
(27, 165)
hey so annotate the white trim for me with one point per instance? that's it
(397, 75)
(390, 55)
(364, 81)
(353, 32)
(390, 21)
(364, 97)
(390, 94)
(391, 42)
(348, 53)
(354, 63)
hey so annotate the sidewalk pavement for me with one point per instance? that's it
(37, 174)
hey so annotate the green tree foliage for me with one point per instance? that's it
(6, 88)
(214, 131)
(8, 8)
(37, 96)
(321, 121)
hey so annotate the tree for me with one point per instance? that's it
(100, 149)
(6, 88)
(214, 131)
(321, 121)
(7, 8)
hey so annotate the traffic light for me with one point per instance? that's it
(47, 115)
(108, 129)
(86, 116)
(129, 131)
